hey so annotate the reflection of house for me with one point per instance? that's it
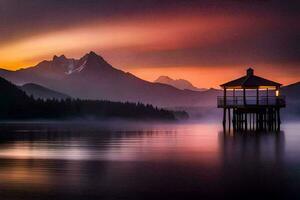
(253, 101)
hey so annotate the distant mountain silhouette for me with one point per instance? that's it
(38, 91)
(91, 77)
(179, 83)
(292, 91)
(292, 94)
(15, 104)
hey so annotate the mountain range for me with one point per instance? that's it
(91, 77)
(178, 83)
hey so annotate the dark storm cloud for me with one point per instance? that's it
(25, 17)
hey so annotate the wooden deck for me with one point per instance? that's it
(251, 102)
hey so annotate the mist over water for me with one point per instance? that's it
(126, 160)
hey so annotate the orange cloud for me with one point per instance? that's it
(150, 34)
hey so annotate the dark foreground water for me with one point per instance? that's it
(154, 161)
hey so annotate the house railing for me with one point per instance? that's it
(232, 101)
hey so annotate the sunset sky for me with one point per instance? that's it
(206, 42)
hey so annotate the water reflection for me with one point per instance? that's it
(253, 146)
(158, 142)
(169, 161)
(253, 163)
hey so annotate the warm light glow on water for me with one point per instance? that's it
(118, 161)
(161, 142)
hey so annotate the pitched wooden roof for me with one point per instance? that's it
(250, 81)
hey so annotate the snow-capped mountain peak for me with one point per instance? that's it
(72, 69)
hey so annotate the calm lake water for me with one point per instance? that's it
(153, 161)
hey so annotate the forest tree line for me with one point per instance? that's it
(15, 104)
